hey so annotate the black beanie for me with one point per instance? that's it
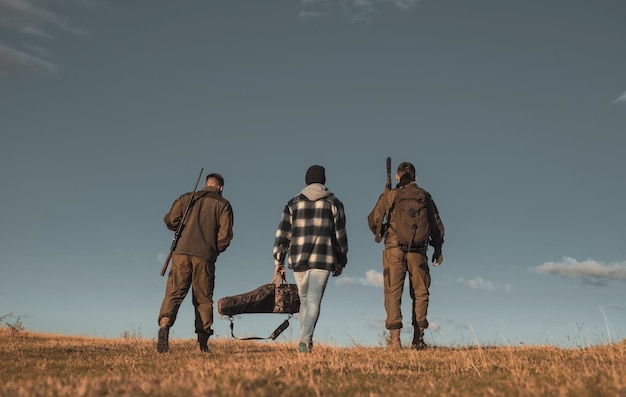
(315, 174)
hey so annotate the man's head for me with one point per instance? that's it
(216, 180)
(315, 174)
(406, 170)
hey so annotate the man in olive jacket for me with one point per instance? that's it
(207, 232)
(399, 260)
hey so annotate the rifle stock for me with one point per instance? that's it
(167, 262)
(179, 230)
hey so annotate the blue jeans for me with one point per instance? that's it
(311, 286)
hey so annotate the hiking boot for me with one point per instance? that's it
(419, 345)
(418, 339)
(303, 348)
(162, 341)
(203, 340)
(394, 339)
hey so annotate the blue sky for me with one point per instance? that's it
(513, 112)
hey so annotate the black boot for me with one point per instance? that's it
(418, 339)
(203, 342)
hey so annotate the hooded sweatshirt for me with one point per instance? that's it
(312, 231)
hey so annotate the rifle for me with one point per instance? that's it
(381, 227)
(179, 230)
(388, 185)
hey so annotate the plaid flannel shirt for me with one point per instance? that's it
(312, 232)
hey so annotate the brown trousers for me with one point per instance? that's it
(199, 274)
(394, 273)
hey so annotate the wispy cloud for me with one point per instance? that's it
(372, 278)
(404, 4)
(620, 99)
(15, 62)
(353, 10)
(589, 271)
(481, 284)
(27, 21)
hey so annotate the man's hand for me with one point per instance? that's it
(279, 269)
(338, 270)
(437, 257)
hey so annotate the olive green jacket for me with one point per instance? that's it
(382, 223)
(208, 228)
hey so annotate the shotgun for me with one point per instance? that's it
(179, 230)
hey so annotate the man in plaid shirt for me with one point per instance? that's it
(312, 232)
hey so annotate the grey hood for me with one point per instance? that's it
(316, 191)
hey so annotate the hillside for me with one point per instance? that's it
(34, 364)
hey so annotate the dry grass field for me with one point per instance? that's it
(34, 364)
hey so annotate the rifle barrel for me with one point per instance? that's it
(388, 185)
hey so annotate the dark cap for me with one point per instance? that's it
(315, 174)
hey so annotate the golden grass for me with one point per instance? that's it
(54, 365)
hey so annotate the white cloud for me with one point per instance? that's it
(480, 283)
(354, 10)
(589, 271)
(14, 62)
(23, 14)
(621, 99)
(28, 20)
(405, 4)
(372, 278)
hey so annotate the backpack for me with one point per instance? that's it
(411, 217)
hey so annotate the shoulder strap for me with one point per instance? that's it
(283, 326)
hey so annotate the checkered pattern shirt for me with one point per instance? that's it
(312, 233)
